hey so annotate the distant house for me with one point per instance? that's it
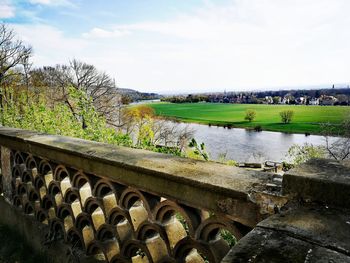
(288, 99)
(300, 100)
(268, 100)
(285, 100)
(226, 99)
(314, 101)
(327, 100)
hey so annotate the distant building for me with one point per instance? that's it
(314, 101)
(288, 99)
(327, 100)
(268, 99)
(302, 100)
(285, 100)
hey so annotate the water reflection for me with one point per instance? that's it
(249, 146)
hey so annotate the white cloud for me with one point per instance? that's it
(101, 33)
(66, 3)
(6, 9)
(50, 45)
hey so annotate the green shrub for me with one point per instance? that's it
(250, 115)
(286, 116)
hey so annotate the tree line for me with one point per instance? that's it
(341, 95)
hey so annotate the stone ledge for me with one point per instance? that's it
(270, 246)
(327, 227)
(303, 234)
(206, 185)
(325, 181)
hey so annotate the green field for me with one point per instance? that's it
(307, 119)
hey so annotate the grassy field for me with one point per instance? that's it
(307, 119)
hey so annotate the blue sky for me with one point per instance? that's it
(171, 46)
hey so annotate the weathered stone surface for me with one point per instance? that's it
(212, 186)
(6, 171)
(150, 186)
(319, 180)
(320, 225)
(270, 246)
(310, 233)
(36, 235)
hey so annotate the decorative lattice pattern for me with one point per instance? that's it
(117, 222)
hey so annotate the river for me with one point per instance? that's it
(248, 146)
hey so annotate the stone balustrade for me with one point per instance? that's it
(128, 205)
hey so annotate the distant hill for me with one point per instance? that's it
(135, 95)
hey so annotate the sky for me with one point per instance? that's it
(184, 46)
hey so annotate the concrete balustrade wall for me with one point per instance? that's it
(127, 205)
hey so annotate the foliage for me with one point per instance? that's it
(228, 237)
(224, 160)
(25, 113)
(97, 85)
(287, 166)
(231, 163)
(301, 153)
(142, 118)
(276, 99)
(250, 115)
(183, 222)
(306, 118)
(286, 116)
(141, 111)
(198, 151)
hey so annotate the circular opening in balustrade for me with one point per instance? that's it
(33, 196)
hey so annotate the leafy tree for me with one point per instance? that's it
(276, 100)
(286, 116)
(250, 115)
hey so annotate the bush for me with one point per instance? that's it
(25, 113)
(250, 115)
(301, 153)
(286, 116)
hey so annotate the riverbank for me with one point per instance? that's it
(306, 119)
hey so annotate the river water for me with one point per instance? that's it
(248, 146)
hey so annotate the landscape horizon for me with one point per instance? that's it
(162, 131)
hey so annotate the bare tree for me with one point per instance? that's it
(97, 85)
(338, 147)
(12, 53)
(171, 134)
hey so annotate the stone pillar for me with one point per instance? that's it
(6, 172)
